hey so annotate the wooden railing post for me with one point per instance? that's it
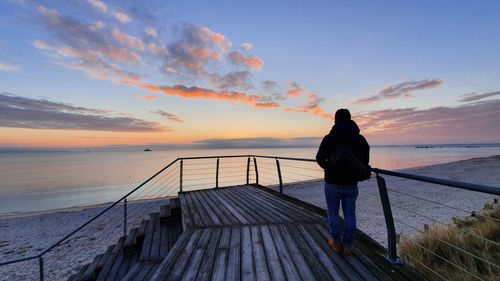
(279, 175)
(217, 175)
(180, 176)
(256, 171)
(248, 170)
(389, 221)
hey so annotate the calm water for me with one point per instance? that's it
(35, 181)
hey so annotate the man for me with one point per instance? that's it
(342, 187)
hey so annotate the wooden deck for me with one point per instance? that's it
(247, 233)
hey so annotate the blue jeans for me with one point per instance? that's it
(347, 194)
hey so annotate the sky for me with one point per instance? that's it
(95, 73)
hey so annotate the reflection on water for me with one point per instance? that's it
(33, 181)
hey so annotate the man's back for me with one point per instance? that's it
(345, 134)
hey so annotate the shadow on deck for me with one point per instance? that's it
(248, 233)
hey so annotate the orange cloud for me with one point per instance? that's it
(266, 105)
(313, 107)
(249, 61)
(150, 97)
(296, 89)
(295, 92)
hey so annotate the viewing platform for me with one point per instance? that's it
(249, 233)
(239, 218)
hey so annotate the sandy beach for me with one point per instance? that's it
(23, 235)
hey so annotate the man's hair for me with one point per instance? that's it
(342, 115)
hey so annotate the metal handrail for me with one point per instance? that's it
(381, 184)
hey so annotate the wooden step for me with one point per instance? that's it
(104, 259)
(165, 213)
(149, 236)
(90, 272)
(131, 241)
(142, 230)
(175, 206)
(117, 249)
(79, 274)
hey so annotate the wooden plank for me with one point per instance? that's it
(250, 207)
(225, 237)
(270, 207)
(335, 271)
(207, 263)
(142, 229)
(144, 271)
(287, 206)
(183, 259)
(370, 266)
(259, 211)
(194, 210)
(219, 271)
(111, 260)
(104, 258)
(154, 254)
(216, 207)
(234, 211)
(193, 266)
(187, 218)
(207, 209)
(297, 257)
(131, 241)
(227, 213)
(305, 214)
(148, 239)
(152, 270)
(90, 271)
(247, 265)
(316, 266)
(259, 256)
(234, 255)
(132, 272)
(165, 211)
(128, 261)
(244, 210)
(350, 265)
(113, 272)
(289, 267)
(273, 260)
(164, 237)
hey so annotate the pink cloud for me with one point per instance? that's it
(403, 89)
(150, 31)
(127, 40)
(249, 61)
(99, 5)
(121, 55)
(247, 46)
(312, 106)
(122, 17)
(150, 97)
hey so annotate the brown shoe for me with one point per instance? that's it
(336, 247)
(346, 250)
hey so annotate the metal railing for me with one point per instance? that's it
(202, 172)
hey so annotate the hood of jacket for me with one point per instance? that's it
(345, 128)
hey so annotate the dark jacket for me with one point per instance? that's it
(345, 134)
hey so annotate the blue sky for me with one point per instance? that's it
(401, 67)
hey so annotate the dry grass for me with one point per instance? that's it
(459, 252)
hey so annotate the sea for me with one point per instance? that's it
(32, 181)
